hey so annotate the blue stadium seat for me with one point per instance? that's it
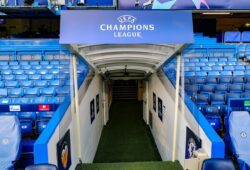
(201, 99)
(229, 68)
(63, 91)
(37, 67)
(41, 125)
(239, 63)
(245, 37)
(30, 72)
(247, 67)
(238, 127)
(187, 81)
(42, 72)
(239, 73)
(15, 67)
(40, 100)
(27, 115)
(22, 100)
(44, 62)
(201, 73)
(211, 80)
(247, 87)
(214, 120)
(5, 101)
(225, 80)
(66, 71)
(31, 92)
(213, 59)
(217, 164)
(239, 67)
(3, 93)
(67, 62)
(57, 62)
(11, 84)
(61, 76)
(13, 63)
(48, 67)
(232, 37)
(50, 91)
(211, 110)
(5, 67)
(190, 89)
(226, 73)
(217, 68)
(238, 80)
(26, 83)
(58, 99)
(185, 60)
(54, 71)
(45, 115)
(217, 99)
(206, 89)
(4, 63)
(192, 60)
(8, 77)
(6, 72)
(222, 63)
(34, 63)
(247, 79)
(190, 74)
(221, 88)
(201, 64)
(231, 63)
(235, 88)
(22, 77)
(41, 167)
(48, 77)
(35, 77)
(26, 67)
(198, 80)
(15, 92)
(23, 63)
(56, 83)
(10, 137)
(245, 95)
(189, 64)
(41, 83)
(18, 72)
(26, 127)
(214, 73)
(223, 59)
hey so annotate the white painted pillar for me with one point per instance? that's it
(176, 107)
(77, 114)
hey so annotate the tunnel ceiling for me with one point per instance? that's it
(126, 61)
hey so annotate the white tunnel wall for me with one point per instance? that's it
(163, 131)
(91, 133)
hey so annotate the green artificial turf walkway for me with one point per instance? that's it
(126, 138)
(131, 166)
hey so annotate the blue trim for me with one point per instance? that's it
(40, 146)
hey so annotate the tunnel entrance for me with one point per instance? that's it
(126, 137)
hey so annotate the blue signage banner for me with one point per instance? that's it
(185, 4)
(125, 27)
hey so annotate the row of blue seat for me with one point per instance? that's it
(217, 80)
(33, 100)
(32, 63)
(35, 83)
(210, 64)
(35, 77)
(218, 68)
(34, 67)
(237, 37)
(209, 59)
(217, 73)
(221, 88)
(34, 92)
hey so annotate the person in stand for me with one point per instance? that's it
(137, 3)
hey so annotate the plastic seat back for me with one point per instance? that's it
(41, 167)
(217, 164)
(10, 137)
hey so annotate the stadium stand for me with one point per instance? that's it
(31, 88)
(217, 164)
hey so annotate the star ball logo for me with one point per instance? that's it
(127, 27)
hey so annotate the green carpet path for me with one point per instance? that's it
(126, 138)
(132, 166)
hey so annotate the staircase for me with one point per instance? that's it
(132, 166)
(125, 90)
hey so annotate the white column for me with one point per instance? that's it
(77, 108)
(176, 107)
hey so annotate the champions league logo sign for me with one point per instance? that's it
(127, 28)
